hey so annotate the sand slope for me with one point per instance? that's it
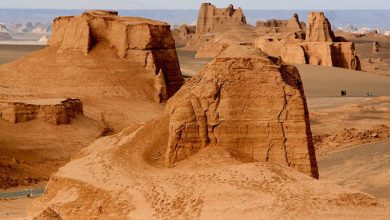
(119, 171)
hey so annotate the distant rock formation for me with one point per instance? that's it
(320, 47)
(210, 17)
(281, 26)
(44, 40)
(217, 28)
(248, 105)
(141, 41)
(183, 34)
(319, 28)
(53, 111)
(4, 36)
(3, 28)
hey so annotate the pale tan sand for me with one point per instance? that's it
(14, 209)
(320, 81)
(12, 52)
(365, 168)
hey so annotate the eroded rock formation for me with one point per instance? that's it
(319, 28)
(281, 26)
(48, 214)
(210, 17)
(248, 105)
(242, 108)
(183, 34)
(217, 28)
(143, 42)
(53, 111)
(320, 47)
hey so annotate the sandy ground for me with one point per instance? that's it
(364, 168)
(9, 53)
(188, 64)
(14, 208)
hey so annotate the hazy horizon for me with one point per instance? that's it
(194, 4)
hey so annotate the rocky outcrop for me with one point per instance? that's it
(48, 214)
(143, 42)
(248, 105)
(319, 28)
(53, 111)
(210, 17)
(183, 34)
(4, 36)
(217, 28)
(281, 26)
(320, 47)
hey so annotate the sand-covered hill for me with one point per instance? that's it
(122, 69)
(126, 176)
(114, 64)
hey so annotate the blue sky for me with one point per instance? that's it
(194, 4)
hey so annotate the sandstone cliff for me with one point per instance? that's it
(242, 108)
(113, 63)
(141, 41)
(281, 26)
(217, 28)
(319, 28)
(53, 111)
(320, 47)
(210, 17)
(248, 105)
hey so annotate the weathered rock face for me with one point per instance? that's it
(53, 111)
(281, 26)
(319, 28)
(210, 16)
(319, 48)
(144, 42)
(183, 34)
(47, 214)
(247, 104)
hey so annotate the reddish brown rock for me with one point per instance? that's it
(48, 214)
(319, 28)
(319, 48)
(183, 34)
(217, 28)
(53, 111)
(144, 42)
(281, 26)
(247, 104)
(210, 17)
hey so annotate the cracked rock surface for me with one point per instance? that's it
(252, 107)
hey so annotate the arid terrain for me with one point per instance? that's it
(246, 133)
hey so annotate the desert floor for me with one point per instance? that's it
(350, 160)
